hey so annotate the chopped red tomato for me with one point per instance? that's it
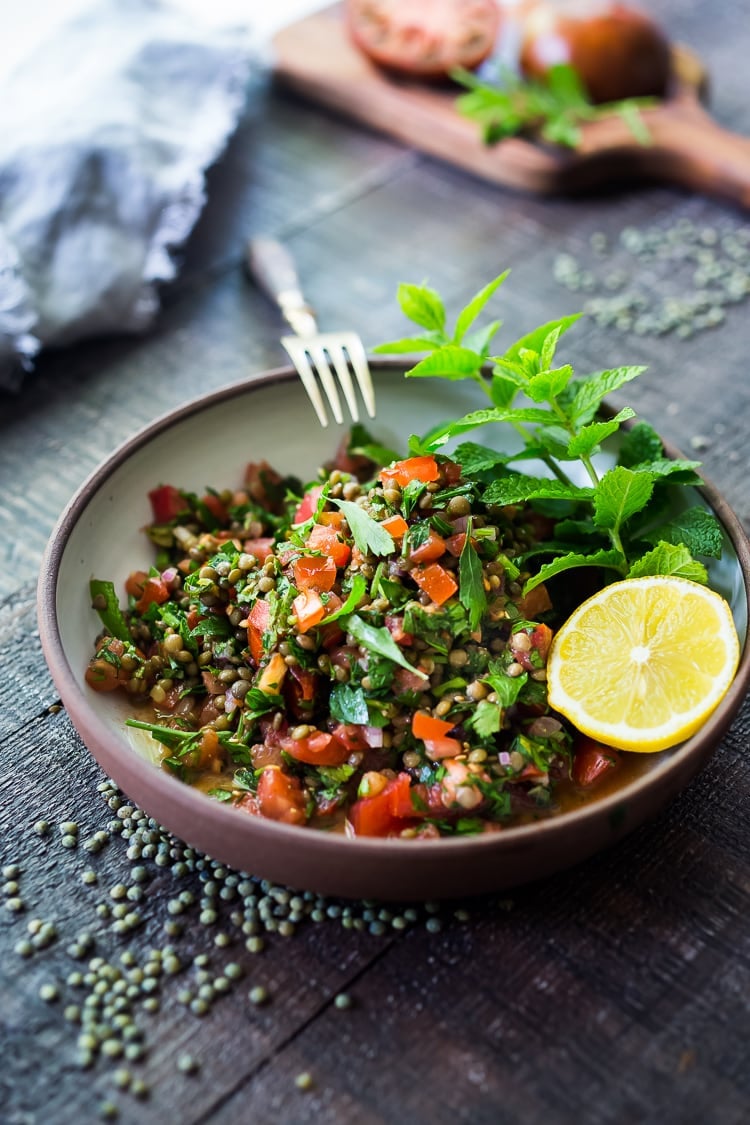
(432, 548)
(328, 542)
(309, 609)
(350, 736)
(166, 503)
(438, 748)
(424, 725)
(455, 544)
(135, 582)
(154, 590)
(280, 797)
(317, 749)
(261, 549)
(395, 626)
(103, 674)
(388, 812)
(451, 471)
(415, 468)
(300, 688)
(259, 477)
(537, 601)
(193, 618)
(273, 675)
(405, 681)
(331, 519)
(396, 526)
(592, 760)
(437, 582)
(308, 505)
(540, 638)
(215, 507)
(258, 620)
(314, 572)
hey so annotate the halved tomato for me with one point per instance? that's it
(427, 38)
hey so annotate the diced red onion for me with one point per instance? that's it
(373, 736)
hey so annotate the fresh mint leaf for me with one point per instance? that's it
(534, 340)
(475, 459)
(548, 384)
(471, 311)
(679, 472)
(549, 347)
(667, 558)
(619, 495)
(348, 704)
(370, 536)
(471, 592)
(589, 437)
(408, 345)
(609, 560)
(449, 362)
(515, 488)
(439, 435)
(589, 392)
(698, 530)
(481, 339)
(423, 306)
(379, 640)
(640, 445)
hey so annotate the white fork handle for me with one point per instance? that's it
(273, 268)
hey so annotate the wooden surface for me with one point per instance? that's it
(617, 992)
(316, 58)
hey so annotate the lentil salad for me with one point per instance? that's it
(357, 654)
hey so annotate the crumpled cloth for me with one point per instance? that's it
(109, 126)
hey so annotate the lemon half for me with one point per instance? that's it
(643, 663)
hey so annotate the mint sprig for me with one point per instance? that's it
(554, 108)
(622, 520)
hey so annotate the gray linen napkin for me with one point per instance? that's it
(109, 127)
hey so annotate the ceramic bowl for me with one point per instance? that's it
(209, 441)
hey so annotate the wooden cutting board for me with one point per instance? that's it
(316, 58)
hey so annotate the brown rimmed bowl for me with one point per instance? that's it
(208, 442)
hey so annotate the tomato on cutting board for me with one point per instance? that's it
(425, 38)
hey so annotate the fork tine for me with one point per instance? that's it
(336, 352)
(318, 356)
(358, 356)
(298, 356)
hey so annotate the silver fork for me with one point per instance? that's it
(272, 266)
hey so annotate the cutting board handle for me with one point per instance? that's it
(689, 148)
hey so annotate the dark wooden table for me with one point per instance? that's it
(616, 992)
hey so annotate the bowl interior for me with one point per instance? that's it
(209, 442)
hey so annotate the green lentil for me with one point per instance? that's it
(304, 1081)
(186, 1064)
(258, 995)
(49, 993)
